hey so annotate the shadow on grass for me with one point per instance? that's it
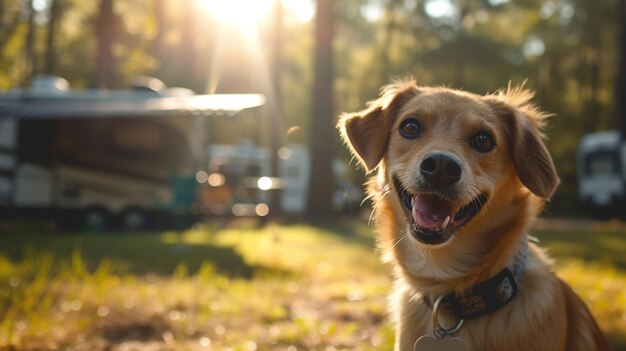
(138, 254)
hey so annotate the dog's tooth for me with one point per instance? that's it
(446, 222)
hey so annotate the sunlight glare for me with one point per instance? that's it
(498, 2)
(440, 9)
(242, 14)
(41, 5)
(302, 10)
(265, 183)
(372, 12)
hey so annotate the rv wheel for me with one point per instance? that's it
(97, 219)
(134, 219)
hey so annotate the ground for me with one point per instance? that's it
(242, 287)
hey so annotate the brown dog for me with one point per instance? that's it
(460, 179)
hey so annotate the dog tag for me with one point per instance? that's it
(429, 343)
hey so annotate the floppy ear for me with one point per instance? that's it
(523, 123)
(367, 132)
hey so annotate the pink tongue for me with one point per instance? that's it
(431, 211)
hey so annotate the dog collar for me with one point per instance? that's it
(489, 295)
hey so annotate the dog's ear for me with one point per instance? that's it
(367, 132)
(523, 123)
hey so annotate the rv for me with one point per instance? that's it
(601, 171)
(238, 181)
(96, 158)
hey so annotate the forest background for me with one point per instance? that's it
(568, 51)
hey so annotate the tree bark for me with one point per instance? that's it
(105, 33)
(595, 83)
(389, 32)
(275, 108)
(188, 47)
(620, 81)
(8, 29)
(322, 120)
(29, 52)
(161, 22)
(53, 24)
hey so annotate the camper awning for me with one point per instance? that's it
(119, 106)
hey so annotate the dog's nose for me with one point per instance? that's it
(441, 169)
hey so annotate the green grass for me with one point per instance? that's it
(591, 256)
(280, 287)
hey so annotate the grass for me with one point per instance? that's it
(279, 287)
(591, 256)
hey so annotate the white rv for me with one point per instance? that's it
(99, 158)
(601, 170)
(239, 180)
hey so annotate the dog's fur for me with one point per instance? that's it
(517, 176)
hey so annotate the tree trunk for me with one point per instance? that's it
(595, 83)
(161, 23)
(29, 52)
(322, 119)
(620, 81)
(8, 28)
(105, 34)
(389, 30)
(275, 105)
(188, 47)
(53, 24)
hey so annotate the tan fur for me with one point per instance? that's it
(518, 175)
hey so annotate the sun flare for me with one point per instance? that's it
(241, 14)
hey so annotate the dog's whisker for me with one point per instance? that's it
(372, 215)
(377, 197)
(368, 197)
(489, 212)
(371, 218)
(399, 240)
(478, 201)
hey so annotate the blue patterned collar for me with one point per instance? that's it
(489, 295)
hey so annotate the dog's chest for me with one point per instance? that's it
(506, 330)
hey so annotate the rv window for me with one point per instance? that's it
(138, 138)
(37, 139)
(603, 163)
(253, 171)
(293, 172)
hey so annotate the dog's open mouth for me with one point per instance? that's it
(433, 218)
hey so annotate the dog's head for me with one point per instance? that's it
(447, 155)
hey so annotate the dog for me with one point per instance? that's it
(460, 179)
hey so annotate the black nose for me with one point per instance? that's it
(440, 169)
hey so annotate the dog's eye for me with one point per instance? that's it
(410, 128)
(483, 142)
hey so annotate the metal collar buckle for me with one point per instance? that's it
(440, 331)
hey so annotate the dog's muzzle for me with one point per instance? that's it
(432, 215)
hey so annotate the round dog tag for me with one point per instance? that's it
(429, 343)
